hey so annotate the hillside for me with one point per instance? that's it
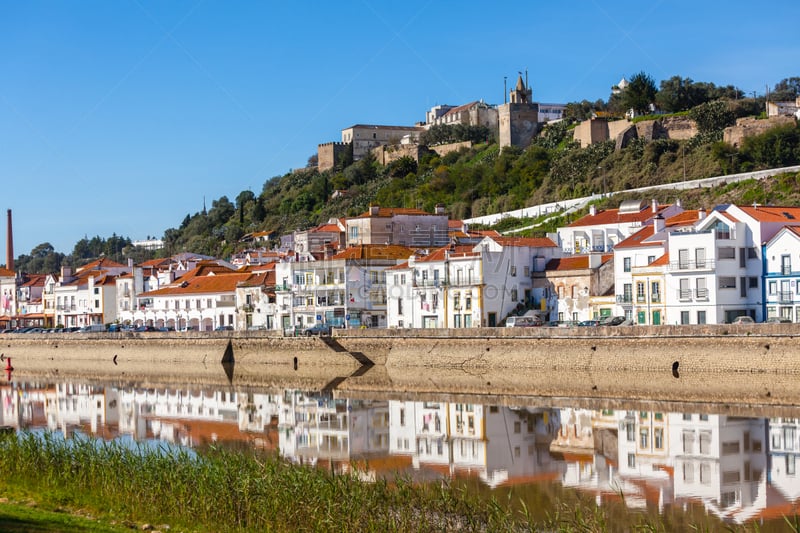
(477, 181)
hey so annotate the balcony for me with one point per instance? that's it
(701, 295)
(429, 283)
(703, 265)
(624, 298)
(685, 295)
(655, 298)
(785, 297)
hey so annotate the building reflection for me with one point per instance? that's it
(739, 469)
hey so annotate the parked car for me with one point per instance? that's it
(589, 323)
(778, 320)
(224, 328)
(743, 319)
(612, 321)
(317, 329)
(523, 321)
(141, 329)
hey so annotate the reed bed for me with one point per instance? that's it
(221, 490)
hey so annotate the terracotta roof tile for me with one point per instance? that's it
(661, 261)
(99, 264)
(333, 228)
(6, 273)
(768, 213)
(375, 251)
(575, 262)
(202, 285)
(640, 238)
(533, 242)
(447, 251)
(613, 216)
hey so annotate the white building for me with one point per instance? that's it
(600, 231)
(468, 286)
(782, 275)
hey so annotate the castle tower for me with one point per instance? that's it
(518, 120)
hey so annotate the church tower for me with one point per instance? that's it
(518, 120)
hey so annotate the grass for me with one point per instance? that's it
(82, 484)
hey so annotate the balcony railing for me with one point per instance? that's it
(785, 297)
(624, 298)
(786, 270)
(701, 294)
(684, 295)
(429, 283)
(703, 264)
(655, 298)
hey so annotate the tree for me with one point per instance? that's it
(640, 93)
(712, 117)
(785, 90)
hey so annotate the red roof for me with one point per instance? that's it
(460, 108)
(771, 213)
(100, 264)
(533, 242)
(6, 273)
(575, 262)
(375, 251)
(613, 216)
(663, 260)
(202, 285)
(440, 254)
(333, 228)
(639, 238)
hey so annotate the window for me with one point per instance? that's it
(658, 438)
(640, 295)
(626, 264)
(399, 306)
(353, 232)
(655, 291)
(627, 290)
(685, 317)
(683, 259)
(688, 472)
(773, 288)
(527, 271)
(514, 295)
(513, 270)
(743, 287)
(789, 434)
(786, 265)
(468, 302)
(742, 258)
(684, 293)
(730, 448)
(705, 442)
(650, 259)
(790, 465)
(700, 257)
(726, 252)
(701, 317)
(705, 473)
(644, 436)
(629, 431)
(752, 283)
(687, 439)
(632, 460)
(751, 253)
(723, 230)
(517, 427)
(727, 282)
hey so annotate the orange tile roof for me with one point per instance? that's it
(485, 233)
(388, 212)
(35, 280)
(205, 268)
(328, 227)
(375, 251)
(613, 216)
(460, 108)
(99, 264)
(6, 273)
(690, 216)
(447, 251)
(401, 266)
(769, 213)
(202, 285)
(663, 260)
(640, 238)
(575, 262)
(533, 242)
(265, 279)
(455, 224)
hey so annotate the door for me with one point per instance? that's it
(492, 320)
(656, 318)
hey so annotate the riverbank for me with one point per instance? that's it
(744, 364)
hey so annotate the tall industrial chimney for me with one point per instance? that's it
(9, 245)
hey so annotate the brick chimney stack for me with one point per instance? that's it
(9, 245)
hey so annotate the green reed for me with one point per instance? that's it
(221, 490)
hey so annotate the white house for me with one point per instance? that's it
(782, 275)
(600, 231)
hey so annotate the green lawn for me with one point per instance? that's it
(27, 518)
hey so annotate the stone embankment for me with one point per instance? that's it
(722, 363)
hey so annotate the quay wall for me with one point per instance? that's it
(749, 364)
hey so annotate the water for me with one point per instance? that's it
(738, 463)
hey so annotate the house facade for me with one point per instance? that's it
(401, 226)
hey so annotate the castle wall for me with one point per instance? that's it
(392, 152)
(517, 124)
(327, 154)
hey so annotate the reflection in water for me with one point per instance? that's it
(740, 469)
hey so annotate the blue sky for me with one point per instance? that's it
(123, 115)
